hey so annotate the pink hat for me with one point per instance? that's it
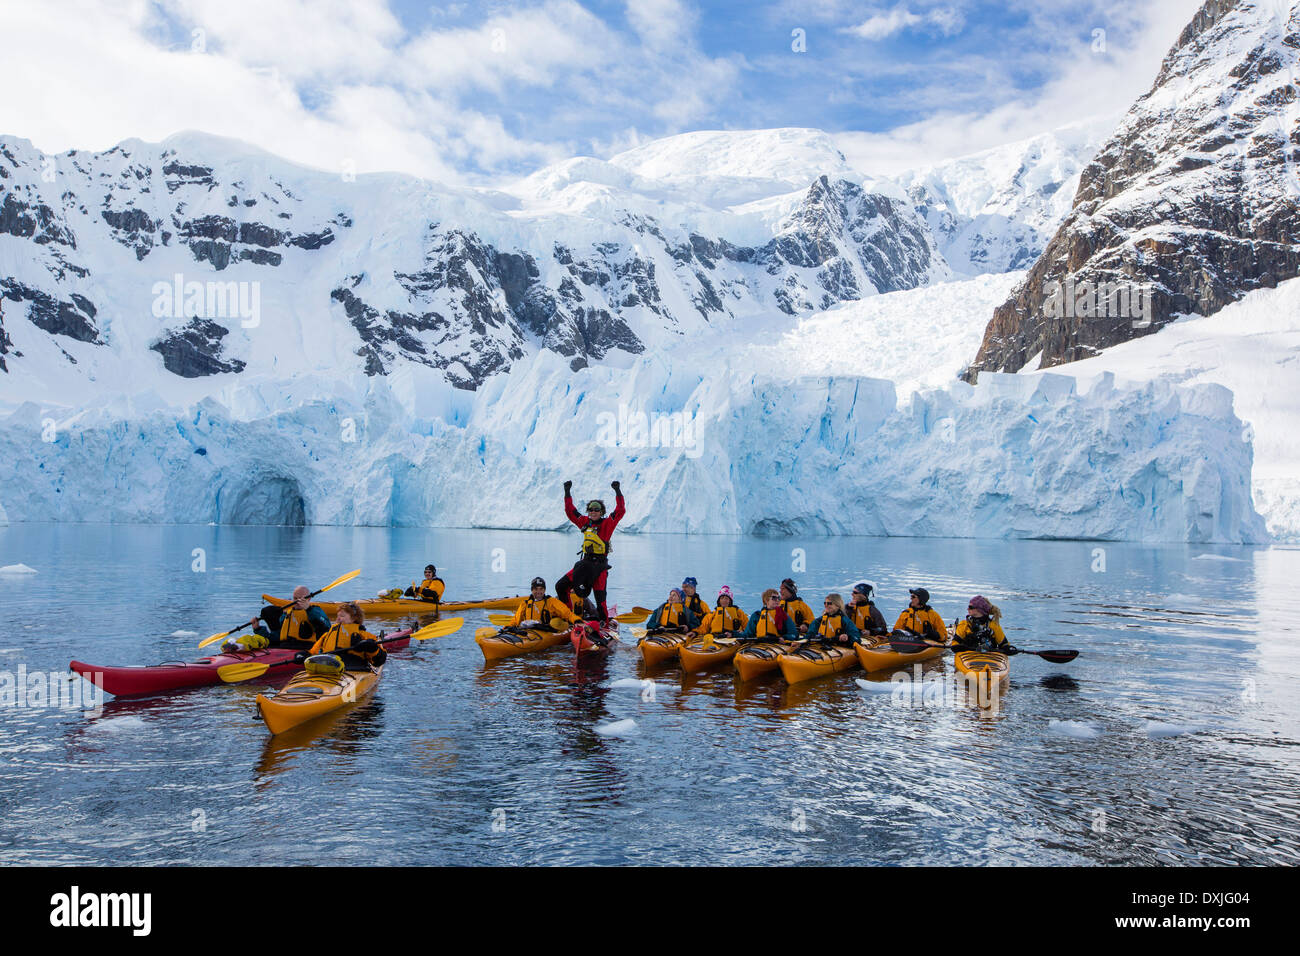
(724, 590)
(981, 604)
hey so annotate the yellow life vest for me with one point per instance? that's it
(672, 615)
(340, 637)
(593, 545)
(861, 615)
(725, 619)
(834, 629)
(800, 612)
(535, 610)
(766, 626)
(295, 625)
(436, 585)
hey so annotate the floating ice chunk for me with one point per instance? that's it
(619, 728)
(17, 569)
(117, 725)
(185, 634)
(1078, 729)
(1156, 729)
(625, 682)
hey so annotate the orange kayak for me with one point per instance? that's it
(661, 648)
(696, 655)
(987, 666)
(308, 696)
(506, 644)
(758, 658)
(882, 656)
(816, 660)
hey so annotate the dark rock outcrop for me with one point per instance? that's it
(1193, 202)
(194, 350)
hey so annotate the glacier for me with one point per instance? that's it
(700, 446)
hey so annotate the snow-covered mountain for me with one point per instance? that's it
(1193, 202)
(996, 210)
(373, 272)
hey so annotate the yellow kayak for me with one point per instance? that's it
(816, 660)
(409, 605)
(758, 658)
(696, 655)
(504, 644)
(661, 648)
(882, 656)
(308, 696)
(988, 667)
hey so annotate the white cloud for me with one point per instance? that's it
(887, 23)
(1083, 85)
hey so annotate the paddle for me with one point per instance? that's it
(642, 632)
(234, 673)
(503, 620)
(1055, 657)
(333, 584)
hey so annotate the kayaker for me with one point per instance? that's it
(795, 607)
(696, 604)
(770, 622)
(725, 619)
(980, 631)
(590, 573)
(672, 616)
(297, 624)
(866, 616)
(834, 626)
(430, 589)
(920, 619)
(348, 640)
(584, 607)
(541, 608)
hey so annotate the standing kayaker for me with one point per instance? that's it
(297, 624)
(545, 610)
(590, 573)
(770, 622)
(920, 619)
(350, 641)
(866, 616)
(673, 616)
(980, 631)
(691, 598)
(795, 607)
(430, 589)
(834, 626)
(725, 620)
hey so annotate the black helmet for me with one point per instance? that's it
(596, 503)
(430, 567)
(864, 589)
(538, 583)
(921, 593)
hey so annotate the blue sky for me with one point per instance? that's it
(476, 92)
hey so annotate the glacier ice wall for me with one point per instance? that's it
(699, 448)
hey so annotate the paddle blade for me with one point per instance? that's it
(335, 583)
(501, 620)
(1056, 657)
(214, 638)
(642, 612)
(441, 629)
(486, 632)
(631, 617)
(234, 673)
(637, 631)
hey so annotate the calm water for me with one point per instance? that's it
(455, 761)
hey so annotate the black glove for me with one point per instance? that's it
(1009, 649)
(618, 489)
(368, 645)
(300, 657)
(568, 488)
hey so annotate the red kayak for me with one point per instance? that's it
(178, 675)
(581, 636)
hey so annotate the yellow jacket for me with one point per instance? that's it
(798, 611)
(543, 610)
(341, 638)
(723, 619)
(915, 621)
(965, 629)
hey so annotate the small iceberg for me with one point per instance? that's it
(1077, 729)
(1157, 729)
(17, 569)
(185, 634)
(619, 728)
(117, 725)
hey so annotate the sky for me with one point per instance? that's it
(482, 93)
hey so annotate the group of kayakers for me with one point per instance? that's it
(785, 617)
(304, 626)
